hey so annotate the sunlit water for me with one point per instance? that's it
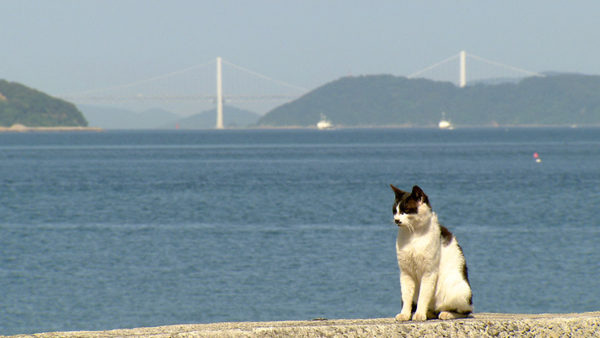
(127, 229)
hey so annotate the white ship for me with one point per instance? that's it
(445, 124)
(324, 123)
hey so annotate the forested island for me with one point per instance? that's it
(377, 101)
(386, 100)
(24, 106)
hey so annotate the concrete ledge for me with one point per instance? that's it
(482, 324)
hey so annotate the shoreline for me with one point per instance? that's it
(480, 324)
(432, 127)
(19, 128)
(337, 128)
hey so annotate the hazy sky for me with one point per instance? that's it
(68, 46)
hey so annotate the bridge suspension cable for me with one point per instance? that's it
(140, 82)
(413, 75)
(498, 64)
(86, 94)
(264, 76)
(462, 67)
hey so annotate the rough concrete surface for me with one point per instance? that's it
(480, 325)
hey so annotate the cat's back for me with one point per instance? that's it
(448, 241)
(452, 261)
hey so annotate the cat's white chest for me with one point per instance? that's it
(417, 254)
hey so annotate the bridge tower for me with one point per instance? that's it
(219, 96)
(463, 69)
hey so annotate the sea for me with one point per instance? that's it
(122, 229)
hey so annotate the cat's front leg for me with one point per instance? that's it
(407, 287)
(426, 291)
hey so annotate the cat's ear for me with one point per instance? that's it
(399, 193)
(419, 194)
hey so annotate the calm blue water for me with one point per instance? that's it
(127, 229)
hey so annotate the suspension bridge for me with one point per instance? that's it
(493, 70)
(212, 83)
(192, 89)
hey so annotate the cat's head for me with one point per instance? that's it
(411, 208)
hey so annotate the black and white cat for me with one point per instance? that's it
(433, 270)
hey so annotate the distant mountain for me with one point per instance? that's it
(385, 100)
(116, 118)
(20, 104)
(232, 118)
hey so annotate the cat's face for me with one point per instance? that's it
(410, 207)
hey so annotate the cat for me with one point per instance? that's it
(433, 270)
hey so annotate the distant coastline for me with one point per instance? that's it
(22, 105)
(386, 100)
(407, 126)
(18, 128)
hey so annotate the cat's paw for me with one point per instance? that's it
(420, 317)
(401, 317)
(445, 315)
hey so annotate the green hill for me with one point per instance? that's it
(232, 118)
(385, 100)
(22, 105)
